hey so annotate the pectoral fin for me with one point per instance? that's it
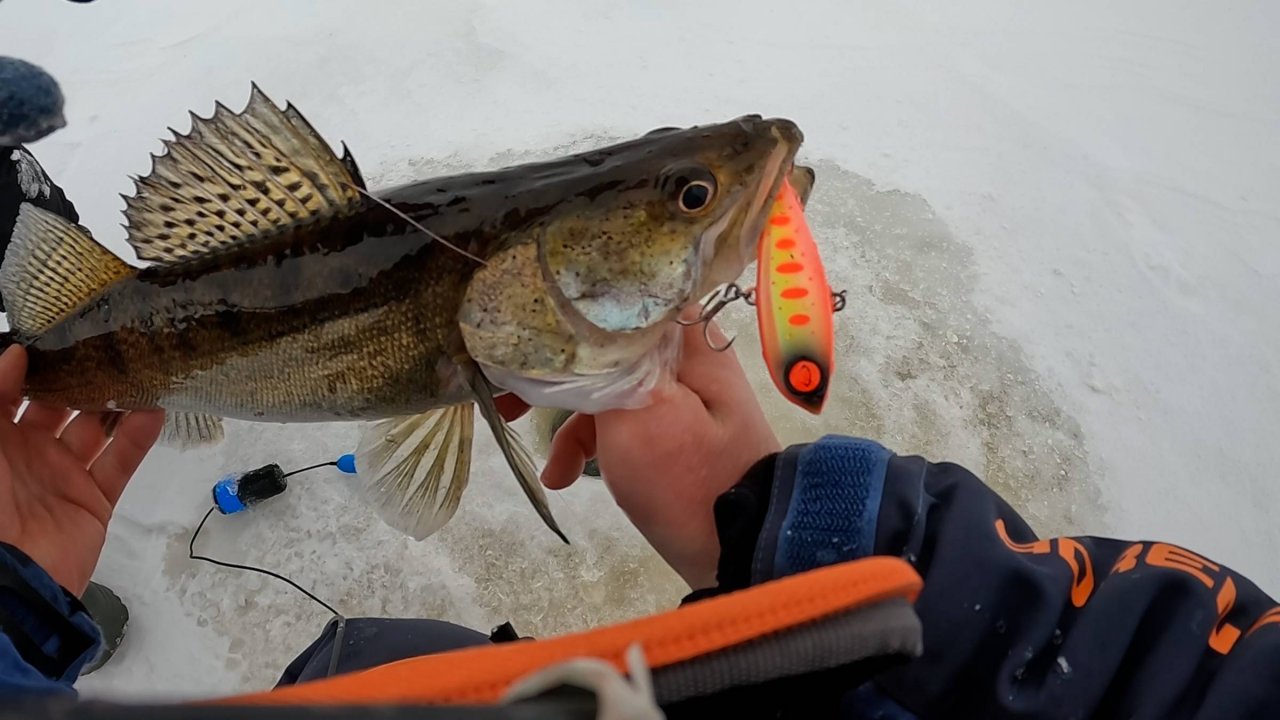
(514, 450)
(416, 468)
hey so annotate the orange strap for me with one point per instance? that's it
(481, 675)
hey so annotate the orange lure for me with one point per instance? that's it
(794, 305)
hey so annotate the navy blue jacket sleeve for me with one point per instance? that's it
(46, 635)
(1014, 625)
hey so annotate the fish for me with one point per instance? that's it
(277, 288)
(794, 304)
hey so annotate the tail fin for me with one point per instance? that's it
(52, 267)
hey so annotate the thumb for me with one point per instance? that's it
(573, 445)
(715, 376)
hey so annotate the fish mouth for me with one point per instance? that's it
(724, 262)
(755, 203)
(777, 168)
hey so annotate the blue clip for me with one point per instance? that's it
(347, 464)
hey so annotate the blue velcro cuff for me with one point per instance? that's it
(834, 501)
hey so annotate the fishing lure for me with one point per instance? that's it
(794, 305)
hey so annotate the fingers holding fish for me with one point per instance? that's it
(86, 435)
(133, 439)
(43, 418)
(573, 445)
(714, 376)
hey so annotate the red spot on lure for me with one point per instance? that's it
(794, 308)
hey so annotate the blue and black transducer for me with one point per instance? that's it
(234, 493)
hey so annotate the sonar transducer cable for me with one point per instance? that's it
(236, 493)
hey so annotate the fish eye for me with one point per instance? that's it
(695, 196)
(693, 189)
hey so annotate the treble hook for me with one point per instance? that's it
(839, 300)
(723, 297)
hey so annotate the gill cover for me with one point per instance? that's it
(794, 306)
(575, 308)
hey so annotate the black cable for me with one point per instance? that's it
(341, 628)
(191, 553)
(311, 467)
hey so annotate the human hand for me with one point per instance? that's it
(666, 463)
(58, 489)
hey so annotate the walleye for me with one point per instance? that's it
(280, 289)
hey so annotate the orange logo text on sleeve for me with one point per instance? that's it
(1218, 582)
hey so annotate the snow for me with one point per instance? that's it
(1057, 224)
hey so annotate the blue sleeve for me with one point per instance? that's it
(1014, 625)
(46, 635)
(823, 506)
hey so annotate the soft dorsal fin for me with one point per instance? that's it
(237, 178)
(184, 430)
(51, 268)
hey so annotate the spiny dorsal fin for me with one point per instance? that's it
(52, 268)
(236, 178)
(349, 161)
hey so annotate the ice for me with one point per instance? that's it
(1056, 223)
(918, 367)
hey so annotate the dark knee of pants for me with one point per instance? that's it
(369, 642)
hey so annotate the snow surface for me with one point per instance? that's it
(1058, 225)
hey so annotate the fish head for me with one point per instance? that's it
(668, 217)
(579, 311)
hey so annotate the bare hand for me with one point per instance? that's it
(59, 485)
(666, 463)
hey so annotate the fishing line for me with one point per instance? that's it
(236, 493)
(415, 223)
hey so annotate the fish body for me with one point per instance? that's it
(794, 305)
(282, 290)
